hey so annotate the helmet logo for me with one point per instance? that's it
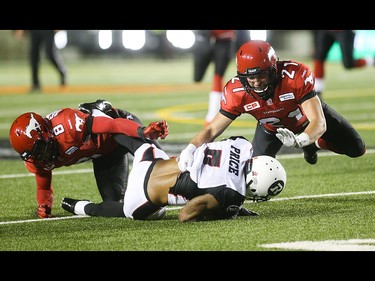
(271, 53)
(276, 188)
(33, 125)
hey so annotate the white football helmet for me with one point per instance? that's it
(265, 178)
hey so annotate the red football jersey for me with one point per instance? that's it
(284, 109)
(74, 145)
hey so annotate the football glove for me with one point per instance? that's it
(44, 211)
(186, 157)
(154, 130)
(288, 138)
(246, 213)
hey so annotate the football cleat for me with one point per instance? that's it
(68, 204)
(310, 154)
(310, 158)
(102, 105)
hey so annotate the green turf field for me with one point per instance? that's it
(332, 200)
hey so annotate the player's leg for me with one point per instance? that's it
(85, 207)
(340, 136)
(346, 39)
(34, 56)
(111, 174)
(54, 55)
(202, 54)
(324, 41)
(265, 142)
(222, 55)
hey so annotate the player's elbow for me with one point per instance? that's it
(321, 128)
(182, 217)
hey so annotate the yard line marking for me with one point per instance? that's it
(318, 196)
(325, 245)
(301, 197)
(49, 219)
(78, 171)
(169, 208)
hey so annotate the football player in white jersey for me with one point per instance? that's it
(215, 187)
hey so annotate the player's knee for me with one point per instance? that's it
(358, 150)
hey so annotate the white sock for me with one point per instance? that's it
(370, 61)
(79, 208)
(213, 105)
(319, 84)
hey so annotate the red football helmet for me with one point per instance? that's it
(31, 137)
(253, 58)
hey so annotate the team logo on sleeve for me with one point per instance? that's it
(251, 106)
(79, 122)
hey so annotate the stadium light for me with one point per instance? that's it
(183, 39)
(258, 35)
(133, 39)
(61, 39)
(105, 39)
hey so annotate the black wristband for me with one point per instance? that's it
(140, 132)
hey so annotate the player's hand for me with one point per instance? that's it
(246, 212)
(288, 138)
(186, 157)
(44, 211)
(156, 130)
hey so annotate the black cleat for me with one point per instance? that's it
(311, 158)
(310, 155)
(68, 204)
(102, 105)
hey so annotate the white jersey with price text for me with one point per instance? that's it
(222, 163)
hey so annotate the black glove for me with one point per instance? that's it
(245, 212)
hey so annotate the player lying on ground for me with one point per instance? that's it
(215, 187)
(70, 136)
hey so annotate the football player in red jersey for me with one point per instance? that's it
(281, 96)
(323, 41)
(213, 46)
(71, 136)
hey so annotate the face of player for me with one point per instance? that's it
(259, 82)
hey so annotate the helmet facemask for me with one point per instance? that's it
(268, 90)
(44, 153)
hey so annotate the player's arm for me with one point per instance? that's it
(44, 194)
(208, 134)
(44, 191)
(314, 113)
(104, 124)
(198, 208)
(316, 128)
(212, 131)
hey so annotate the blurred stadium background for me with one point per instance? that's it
(133, 57)
(82, 44)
